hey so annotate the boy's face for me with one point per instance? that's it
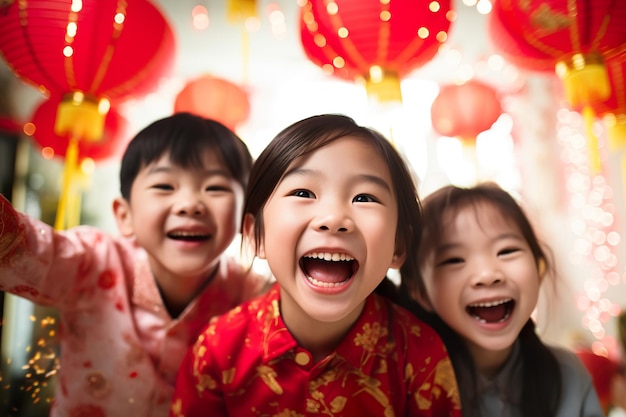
(330, 230)
(185, 218)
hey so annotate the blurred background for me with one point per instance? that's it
(463, 103)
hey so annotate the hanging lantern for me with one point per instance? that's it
(214, 98)
(103, 48)
(465, 110)
(573, 35)
(112, 144)
(374, 42)
(88, 52)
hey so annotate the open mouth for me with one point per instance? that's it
(328, 270)
(189, 236)
(493, 311)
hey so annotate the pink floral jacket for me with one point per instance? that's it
(120, 349)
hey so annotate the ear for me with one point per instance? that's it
(398, 259)
(123, 217)
(541, 268)
(249, 235)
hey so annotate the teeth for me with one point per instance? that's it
(187, 234)
(491, 303)
(327, 256)
(325, 284)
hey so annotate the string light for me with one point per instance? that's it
(594, 228)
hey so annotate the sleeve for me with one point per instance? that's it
(196, 393)
(39, 263)
(433, 389)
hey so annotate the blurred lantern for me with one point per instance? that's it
(572, 36)
(90, 53)
(372, 41)
(84, 153)
(112, 143)
(465, 110)
(214, 98)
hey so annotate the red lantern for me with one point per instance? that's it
(572, 35)
(575, 36)
(89, 52)
(103, 48)
(378, 42)
(613, 109)
(214, 98)
(465, 110)
(112, 143)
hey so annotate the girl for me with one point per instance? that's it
(482, 267)
(331, 206)
(131, 305)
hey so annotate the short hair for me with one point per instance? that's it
(186, 137)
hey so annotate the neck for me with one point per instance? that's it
(177, 296)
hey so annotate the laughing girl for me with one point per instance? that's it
(482, 266)
(331, 206)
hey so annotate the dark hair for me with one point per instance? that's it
(186, 137)
(541, 373)
(310, 134)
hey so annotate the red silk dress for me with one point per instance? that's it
(246, 363)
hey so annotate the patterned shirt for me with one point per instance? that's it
(120, 349)
(246, 363)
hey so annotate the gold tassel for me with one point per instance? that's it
(240, 10)
(383, 86)
(593, 146)
(68, 185)
(79, 117)
(585, 79)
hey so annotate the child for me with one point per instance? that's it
(331, 207)
(129, 307)
(482, 267)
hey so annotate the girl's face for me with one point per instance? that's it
(482, 280)
(329, 233)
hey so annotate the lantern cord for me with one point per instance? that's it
(67, 188)
(592, 141)
(245, 53)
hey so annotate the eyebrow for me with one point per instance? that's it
(360, 178)
(210, 172)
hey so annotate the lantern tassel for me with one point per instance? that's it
(593, 146)
(67, 187)
(384, 88)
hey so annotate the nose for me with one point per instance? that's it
(190, 204)
(487, 274)
(334, 218)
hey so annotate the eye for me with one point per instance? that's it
(508, 251)
(450, 261)
(166, 187)
(302, 193)
(217, 188)
(365, 198)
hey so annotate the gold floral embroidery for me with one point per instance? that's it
(338, 403)
(177, 408)
(445, 378)
(228, 375)
(268, 375)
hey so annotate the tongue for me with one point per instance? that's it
(326, 271)
(489, 314)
